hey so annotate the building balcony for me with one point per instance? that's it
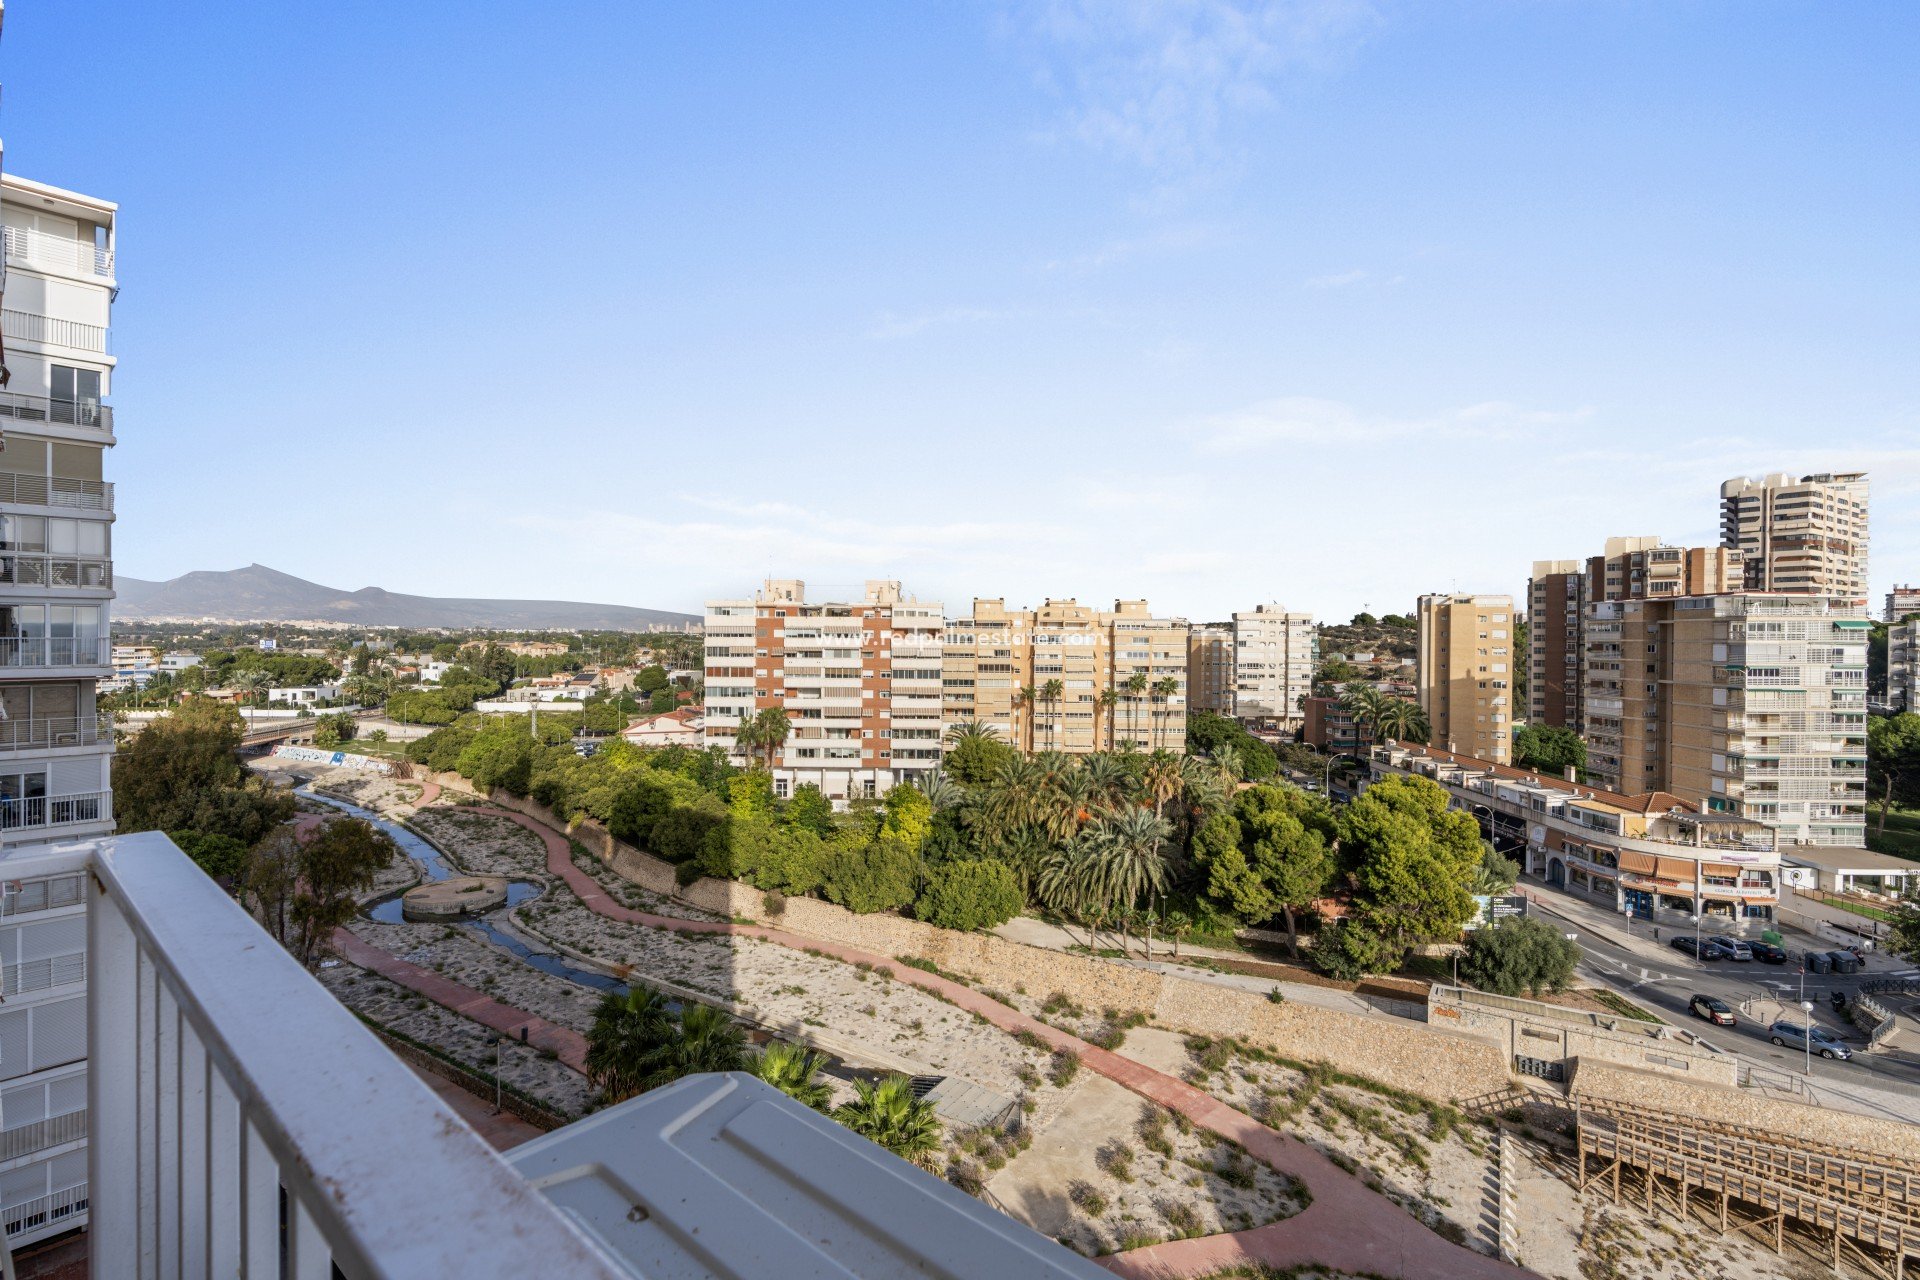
(19, 488)
(27, 813)
(55, 732)
(31, 326)
(40, 251)
(88, 414)
(55, 651)
(38, 569)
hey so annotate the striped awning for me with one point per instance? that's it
(1719, 869)
(1679, 869)
(1644, 863)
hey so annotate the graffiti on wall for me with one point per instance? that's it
(341, 759)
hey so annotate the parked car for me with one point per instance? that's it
(1736, 949)
(1768, 952)
(1819, 962)
(1844, 961)
(1711, 1008)
(1701, 949)
(1794, 1036)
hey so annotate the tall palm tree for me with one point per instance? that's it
(775, 728)
(1225, 759)
(627, 1033)
(1053, 693)
(1162, 780)
(1404, 720)
(964, 731)
(747, 735)
(1136, 686)
(1109, 699)
(1025, 696)
(1166, 687)
(1128, 858)
(1018, 796)
(889, 1114)
(1107, 778)
(941, 791)
(706, 1040)
(250, 682)
(795, 1071)
(1366, 705)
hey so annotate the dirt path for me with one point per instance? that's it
(1347, 1227)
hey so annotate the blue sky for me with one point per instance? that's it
(1329, 302)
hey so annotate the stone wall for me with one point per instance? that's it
(1595, 1079)
(1562, 1038)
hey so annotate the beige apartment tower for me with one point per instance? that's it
(1752, 704)
(1465, 673)
(1807, 535)
(859, 681)
(1067, 677)
(1210, 667)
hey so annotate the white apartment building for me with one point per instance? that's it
(859, 681)
(1274, 653)
(1806, 535)
(1903, 666)
(56, 585)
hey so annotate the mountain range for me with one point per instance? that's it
(259, 594)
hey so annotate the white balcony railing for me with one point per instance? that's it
(244, 1123)
(28, 490)
(55, 651)
(56, 811)
(30, 326)
(65, 254)
(48, 732)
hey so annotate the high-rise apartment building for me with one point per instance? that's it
(859, 681)
(1273, 659)
(1465, 673)
(1749, 703)
(1210, 667)
(1806, 535)
(1559, 592)
(1115, 678)
(56, 588)
(1903, 666)
(1556, 597)
(1902, 601)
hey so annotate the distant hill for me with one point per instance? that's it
(259, 594)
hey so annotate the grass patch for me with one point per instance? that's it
(1622, 1006)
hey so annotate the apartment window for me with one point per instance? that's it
(75, 394)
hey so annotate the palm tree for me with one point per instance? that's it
(1128, 858)
(1061, 880)
(707, 1040)
(250, 682)
(1177, 925)
(747, 735)
(1018, 797)
(1053, 693)
(795, 1071)
(942, 792)
(964, 731)
(1166, 687)
(1406, 721)
(1225, 758)
(626, 1035)
(1366, 705)
(1136, 686)
(368, 691)
(1109, 699)
(1106, 777)
(1025, 696)
(889, 1114)
(1162, 780)
(775, 728)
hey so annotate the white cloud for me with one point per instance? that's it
(1303, 420)
(1158, 81)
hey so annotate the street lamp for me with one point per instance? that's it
(493, 1042)
(1806, 1007)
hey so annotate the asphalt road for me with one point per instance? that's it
(1666, 986)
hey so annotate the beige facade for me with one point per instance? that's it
(1750, 704)
(1465, 673)
(1556, 595)
(1210, 667)
(1649, 569)
(1274, 651)
(1807, 535)
(859, 681)
(1121, 675)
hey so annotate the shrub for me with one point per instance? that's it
(1520, 954)
(1065, 1066)
(969, 895)
(1349, 950)
(878, 877)
(966, 1175)
(1087, 1199)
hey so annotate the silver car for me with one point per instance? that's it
(1794, 1036)
(1736, 949)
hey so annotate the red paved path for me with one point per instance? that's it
(1347, 1227)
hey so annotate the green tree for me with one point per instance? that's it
(908, 816)
(874, 877)
(333, 730)
(887, 1113)
(1403, 720)
(969, 895)
(1137, 687)
(336, 863)
(1893, 763)
(1366, 705)
(794, 1071)
(1351, 948)
(1497, 874)
(1549, 749)
(183, 773)
(221, 857)
(809, 809)
(1164, 688)
(1411, 859)
(624, 1040)
(1903, 930)
(1520, 954)
(975, 753)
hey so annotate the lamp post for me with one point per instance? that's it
(1806, 1007)
(493, 1042)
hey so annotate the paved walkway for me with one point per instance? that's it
(502, 1132)
(1347, 1227)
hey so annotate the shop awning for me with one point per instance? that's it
(1719, 869)
(1679, 869)
(1644, 863)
